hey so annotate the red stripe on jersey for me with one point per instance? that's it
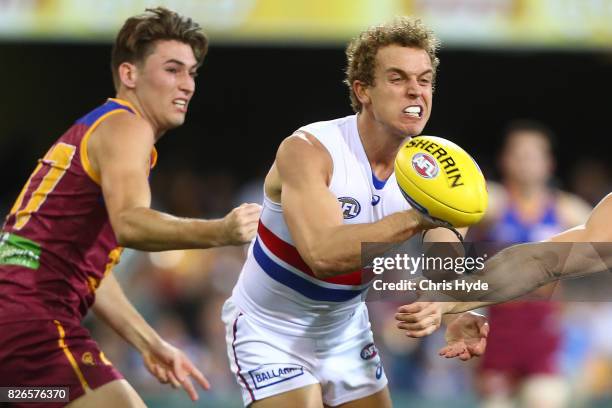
(289, 254)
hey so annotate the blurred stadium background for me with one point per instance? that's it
(273, 66)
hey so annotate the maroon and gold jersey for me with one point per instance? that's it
(57, 242)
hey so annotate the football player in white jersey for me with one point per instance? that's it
(298, 333)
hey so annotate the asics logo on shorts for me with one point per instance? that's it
(274, 373)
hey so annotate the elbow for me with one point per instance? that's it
(322, 266)
(124, 238)
(125, 234)
(322, 269)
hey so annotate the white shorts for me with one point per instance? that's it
(266, 363)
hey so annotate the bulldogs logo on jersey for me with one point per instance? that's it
(350, 207)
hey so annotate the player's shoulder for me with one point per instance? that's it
(332, 127)
(123, 128)
(123, 134)
(126, 121)
(299, 146)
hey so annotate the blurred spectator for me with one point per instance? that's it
(525, 207)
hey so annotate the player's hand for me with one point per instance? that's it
(170, 365)
(427, 222)
(466, 336)
(240, 225)
(420, 319)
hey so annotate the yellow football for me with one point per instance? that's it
(440, 179)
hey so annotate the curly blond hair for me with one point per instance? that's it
(361, 51)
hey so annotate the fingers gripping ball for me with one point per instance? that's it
(441, 180)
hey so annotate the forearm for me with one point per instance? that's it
(149, 230)
(338, 250)
(520, 269)
(112, 307)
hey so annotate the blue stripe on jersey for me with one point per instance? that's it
(95, 114)
(297, 283)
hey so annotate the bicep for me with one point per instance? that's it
(122, 155)
(309, 207)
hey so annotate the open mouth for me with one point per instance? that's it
(414, 111)
(180, 103)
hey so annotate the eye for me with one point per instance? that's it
(194, 74)
(395, 79)
(425, 81)
(172, 70)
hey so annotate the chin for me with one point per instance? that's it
(176, 122)
(412, 130)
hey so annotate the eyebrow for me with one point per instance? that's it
(181, 63)
(402, 72)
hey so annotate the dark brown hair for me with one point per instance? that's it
(136, 39)
(361, 51)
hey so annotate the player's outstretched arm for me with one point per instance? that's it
(519, 269)
(119, 151)
(314, 216)
(167, 363)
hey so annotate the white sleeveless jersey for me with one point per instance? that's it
(276, 287)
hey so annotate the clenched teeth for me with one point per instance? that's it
(415, 111)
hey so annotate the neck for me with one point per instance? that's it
(379, 144)
(135, 103)
(527, 191)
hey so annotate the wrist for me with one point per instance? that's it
(223, 232)
(213, 233)
(414, 220)
(145, 342)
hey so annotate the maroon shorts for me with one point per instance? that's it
(52, 353)
(525, 339)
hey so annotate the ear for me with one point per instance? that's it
(128, 74)
(362, 92)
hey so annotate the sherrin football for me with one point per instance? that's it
(440, 179)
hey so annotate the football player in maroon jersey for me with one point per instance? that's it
(88, 198)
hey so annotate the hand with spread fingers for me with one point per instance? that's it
(170, 365)
(466, 336)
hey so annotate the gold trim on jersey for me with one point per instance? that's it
(153, 157)
(59, 159)
(113, 259)
(69, 356)
(127, 104)
(104, 359)
(19, 200)
(83, 148)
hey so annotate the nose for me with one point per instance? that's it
(187, 84)
(413, 89)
